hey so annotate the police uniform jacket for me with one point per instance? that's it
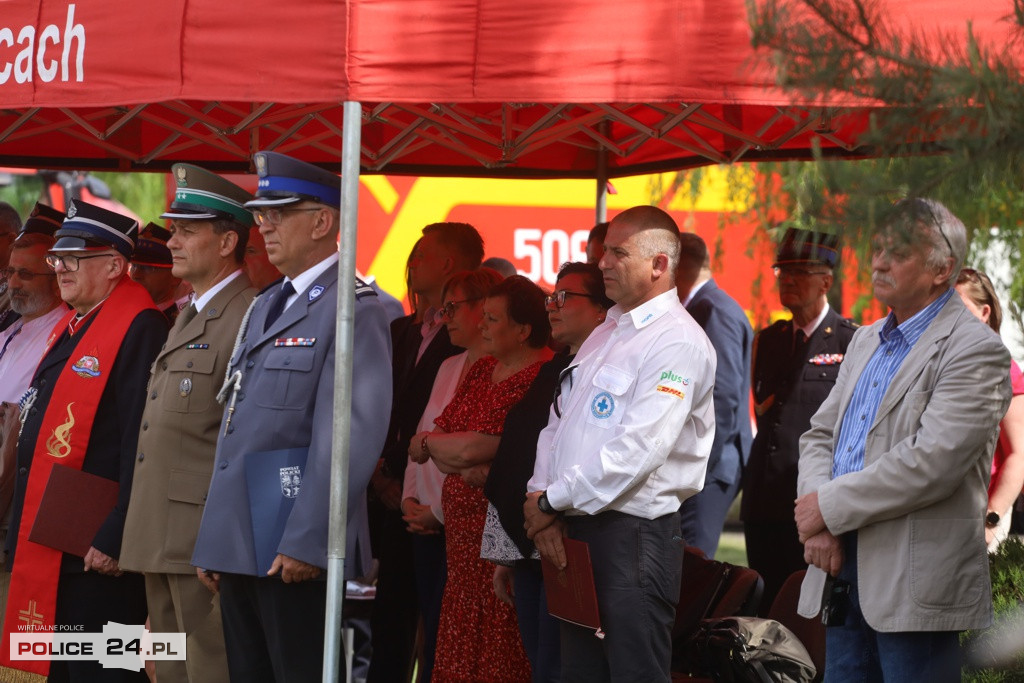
(787, 392)
(286, 401)
(115, 429)
(178, 435)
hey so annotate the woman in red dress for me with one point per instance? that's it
(478, 638)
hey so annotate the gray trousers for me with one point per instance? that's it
(638, 566)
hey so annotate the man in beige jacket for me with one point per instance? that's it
(894, 470)
(178, 435)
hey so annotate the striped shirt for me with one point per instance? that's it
(896, 343)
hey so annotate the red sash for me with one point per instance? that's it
(64, 438)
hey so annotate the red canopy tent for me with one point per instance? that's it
(531, 88)
(463, 87)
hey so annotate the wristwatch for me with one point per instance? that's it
(544, 505)
(991, 519)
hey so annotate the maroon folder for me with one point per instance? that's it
(73, 508)
(570, 592)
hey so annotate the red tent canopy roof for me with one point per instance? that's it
(454, 87)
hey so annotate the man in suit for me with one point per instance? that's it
(894, 470)
(178, 438)
(278, 423)
(728, 328)
(412, 566)
(83, 411)
(792, 375)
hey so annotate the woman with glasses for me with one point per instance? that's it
(979, 296)
(478, 639)
(575, 308)
(461, 311)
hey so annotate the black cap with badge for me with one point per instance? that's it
(805, 246)
(151, 249)
(44, 220)
(89, 227)
(284, 180)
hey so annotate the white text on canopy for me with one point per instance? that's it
(32, 57)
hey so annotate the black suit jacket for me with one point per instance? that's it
(730, 333)
(115, 429)
(412, 384)
(787, 391)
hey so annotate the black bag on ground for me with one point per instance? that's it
(750, 650)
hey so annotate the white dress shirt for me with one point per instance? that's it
(424, 482)
(25, 345)
(637, 416)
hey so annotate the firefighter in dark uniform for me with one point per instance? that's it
(795, 365)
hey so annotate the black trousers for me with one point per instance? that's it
(638, 565)
(273, 631)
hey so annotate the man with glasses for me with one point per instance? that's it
(205, 246)
(82, 412)
(420, 342)
(35, 297)
(894, 470)
(274, 448)
(728, 328)
(795, 365)
(151, 268)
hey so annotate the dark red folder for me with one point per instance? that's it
(73, 508)
(571, 593)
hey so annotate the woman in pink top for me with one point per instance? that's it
(975, 288)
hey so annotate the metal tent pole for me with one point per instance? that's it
(341, 439)
(601, 174)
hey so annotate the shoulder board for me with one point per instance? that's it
(846, 322)
(363, 289)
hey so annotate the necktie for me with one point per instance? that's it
(799, 341)
(186, 316)
(277, 305)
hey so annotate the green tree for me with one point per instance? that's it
(952, 127)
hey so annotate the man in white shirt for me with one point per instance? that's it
(627, 442)
(36, 298)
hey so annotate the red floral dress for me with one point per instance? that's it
(478, 637)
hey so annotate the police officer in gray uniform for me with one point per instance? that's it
(263, 538)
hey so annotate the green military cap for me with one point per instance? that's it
(203, 195)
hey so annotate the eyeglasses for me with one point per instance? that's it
(796, 272)
(274, 215)
(70, 262)
(22, 273)
(557, 298)
(448, 310)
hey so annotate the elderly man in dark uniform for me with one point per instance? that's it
(795, 365)
(82, 413)
(263, 536)
(177, 444)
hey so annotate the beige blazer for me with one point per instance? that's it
(919, 503)
(178, 436)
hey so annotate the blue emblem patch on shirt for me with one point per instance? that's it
(603, 406)
(315, 292)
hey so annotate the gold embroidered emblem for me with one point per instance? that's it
(30, 616)
(59, 443)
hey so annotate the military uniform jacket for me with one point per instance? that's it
(115, 428)
(178, 435)
(787, 392)
(286, 401)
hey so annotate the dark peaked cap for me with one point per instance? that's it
(805, 246)
(284, 180)
(92, 227)
(44, 220)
